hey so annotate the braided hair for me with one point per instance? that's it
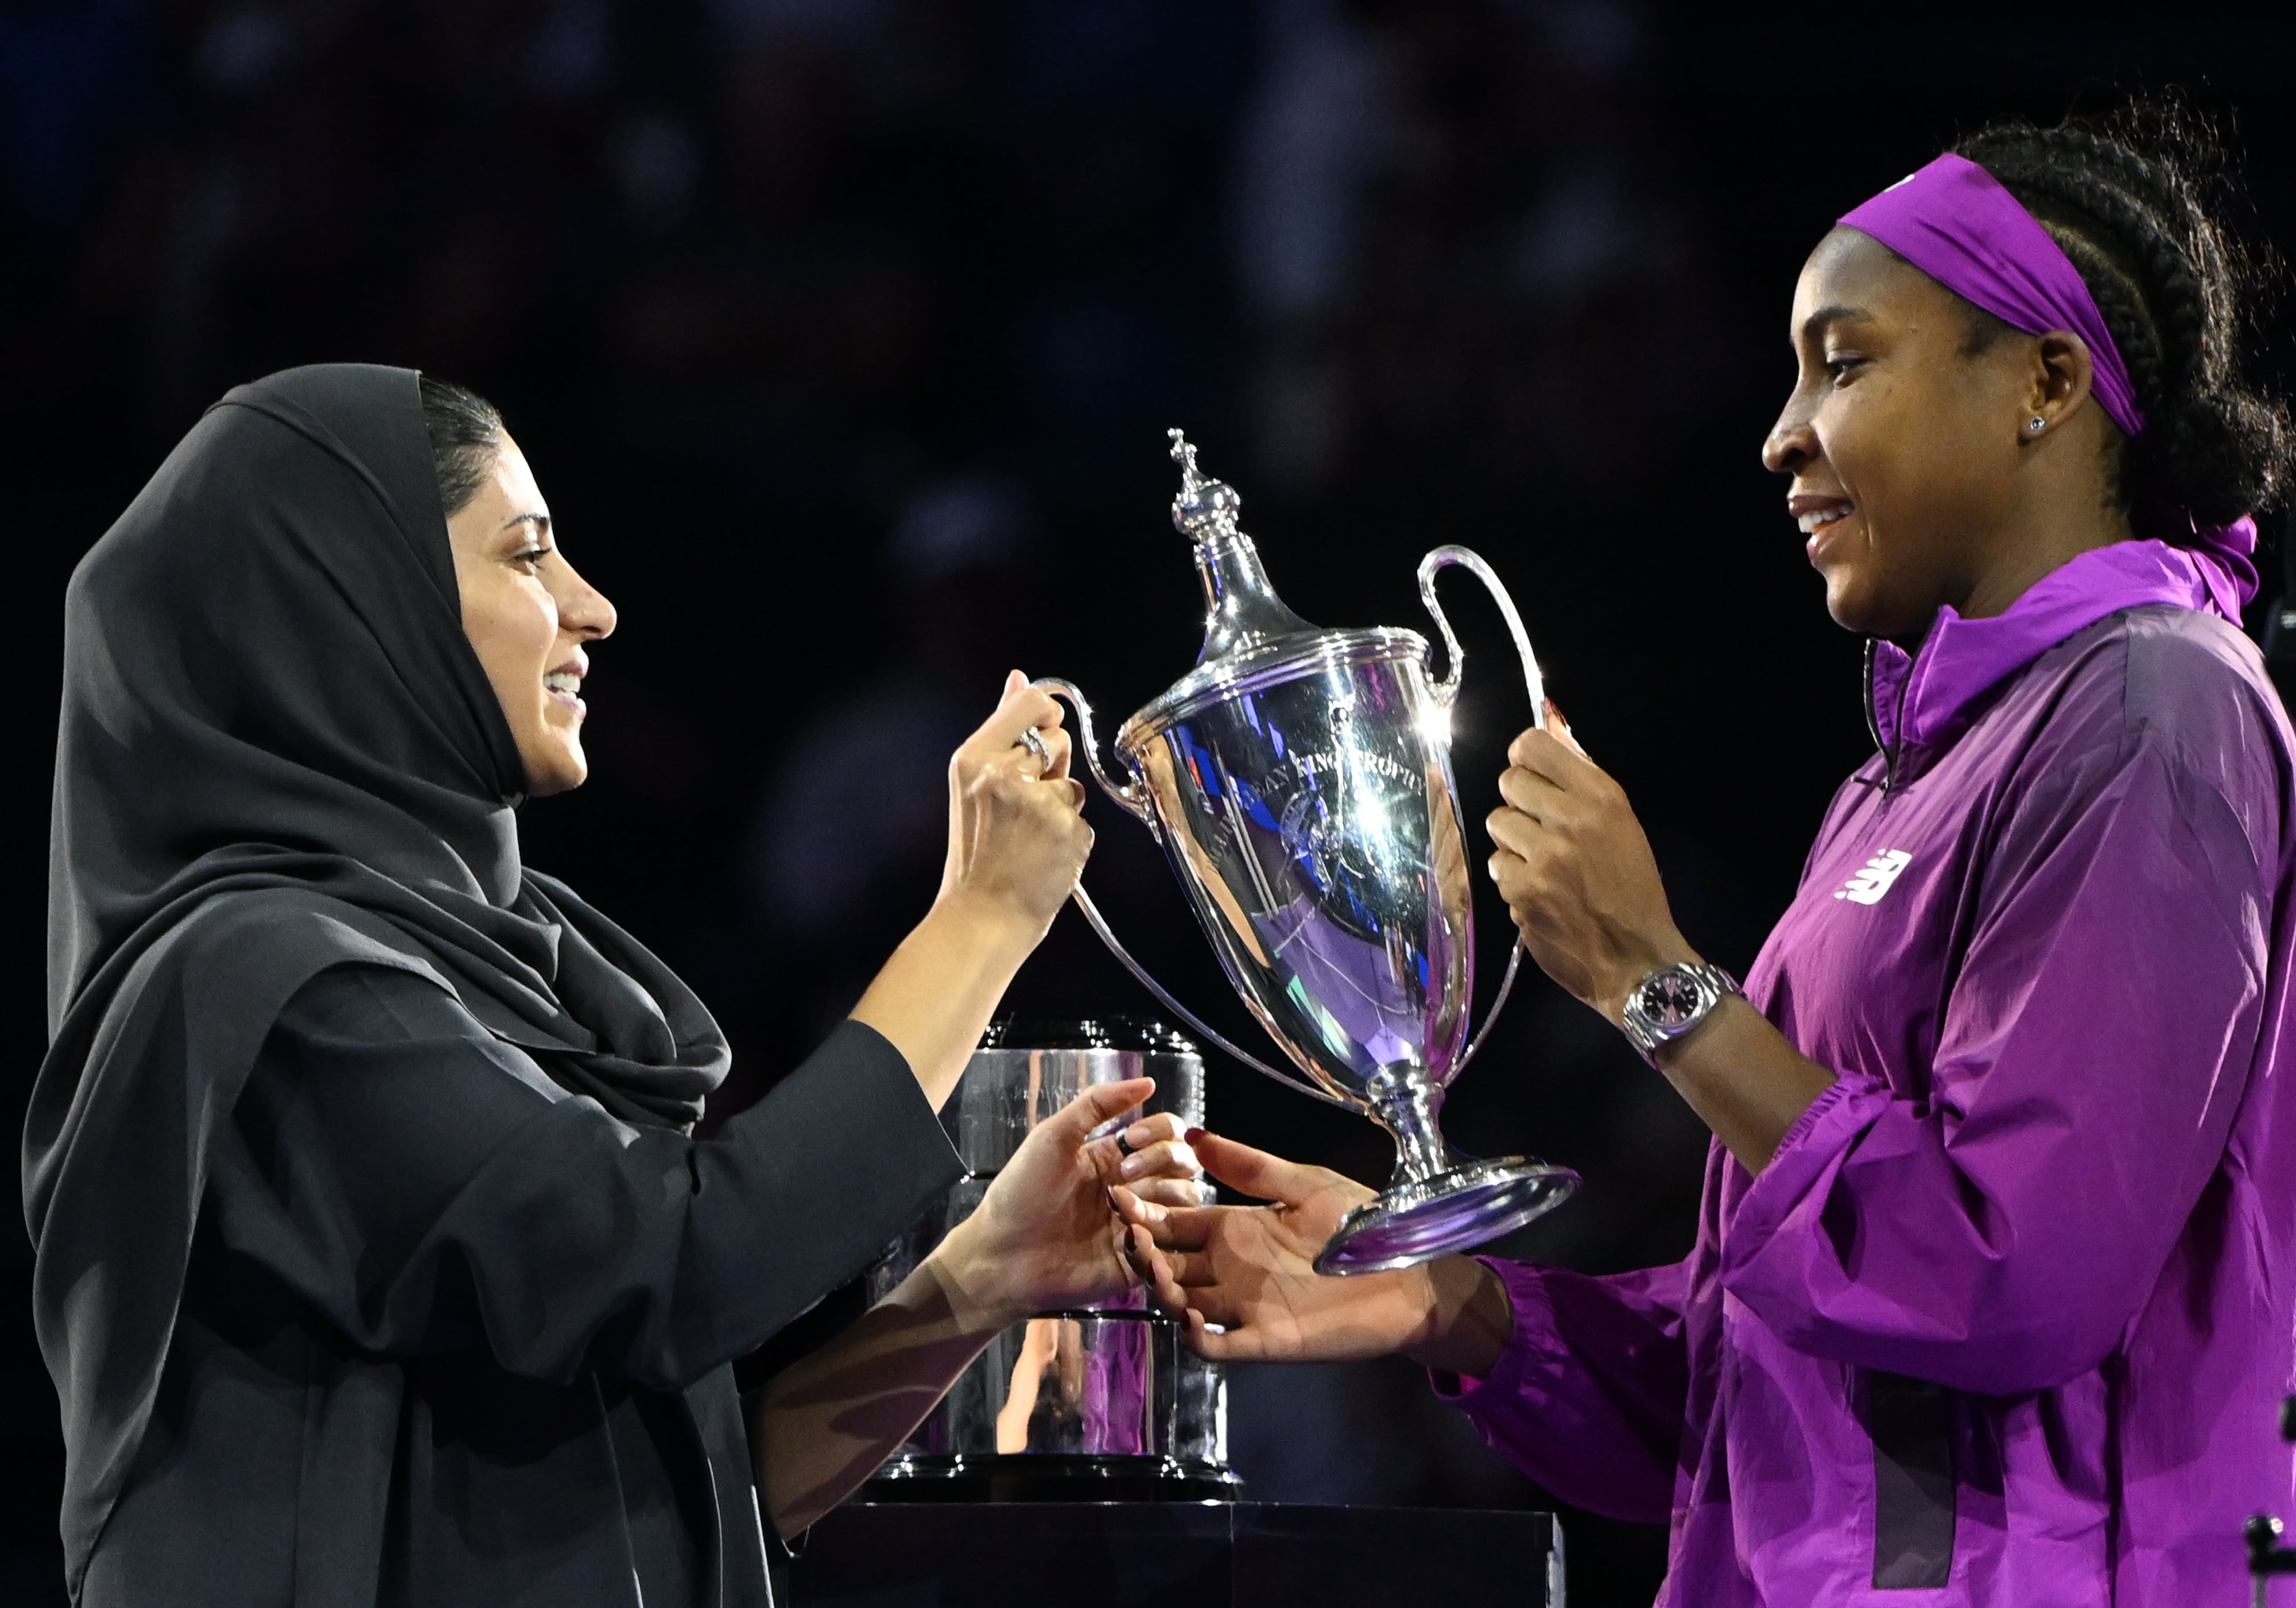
(2129, 200)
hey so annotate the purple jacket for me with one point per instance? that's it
(2008, 1318)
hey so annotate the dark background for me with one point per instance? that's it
(842, 335)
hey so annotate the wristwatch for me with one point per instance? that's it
(1672, 1001)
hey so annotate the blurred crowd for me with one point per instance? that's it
(805, 239)
(843, 335)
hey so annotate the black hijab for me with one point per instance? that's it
(278, 754)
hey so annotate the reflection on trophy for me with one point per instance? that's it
(1301, 782)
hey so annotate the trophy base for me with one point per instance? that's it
(1416, 1222)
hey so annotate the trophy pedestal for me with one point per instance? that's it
(1227, 1555)
(1419, 1219)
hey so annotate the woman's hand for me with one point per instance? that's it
(1017, 838)
(1046, 1234)
(1016, 843)
(1576, 870)
(1577, 874)
(1243, 1277)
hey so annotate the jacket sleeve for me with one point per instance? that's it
(1589, 1397)
(427, 1189)
(2094, 1047)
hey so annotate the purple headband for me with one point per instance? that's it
(1955, 222)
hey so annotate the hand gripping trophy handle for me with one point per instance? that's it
(1133, 798)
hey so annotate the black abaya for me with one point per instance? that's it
(450, 1336)
(280, 761)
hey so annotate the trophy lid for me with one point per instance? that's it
(1251, 638)
(1242, 610)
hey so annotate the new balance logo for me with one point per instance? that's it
(1868, 886)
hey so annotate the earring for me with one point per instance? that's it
(2036, 425)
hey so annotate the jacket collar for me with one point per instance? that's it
(1926, 700)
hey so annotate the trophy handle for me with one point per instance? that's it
(1446, 693)
(1130, 794)
(1288, 1080)
(1134, 796)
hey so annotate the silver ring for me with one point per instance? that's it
(1033, 740)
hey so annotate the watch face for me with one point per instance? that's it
(1669, 998)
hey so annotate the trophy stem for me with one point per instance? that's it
(1437, 1203)
(1407, 1110)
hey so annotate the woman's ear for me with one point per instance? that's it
(2063, 373)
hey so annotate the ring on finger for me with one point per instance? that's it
(1034, 742)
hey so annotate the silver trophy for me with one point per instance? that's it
(1097, 1403)
(1301, 782)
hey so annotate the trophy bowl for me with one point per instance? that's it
(1299, 782)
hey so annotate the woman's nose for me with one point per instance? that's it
(584, 611)
(1791, 441)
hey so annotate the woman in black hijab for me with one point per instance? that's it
(376, 1259)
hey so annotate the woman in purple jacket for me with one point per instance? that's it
(1994, 1286)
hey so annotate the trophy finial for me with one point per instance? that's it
(1184, 453)
(1243, 609)
(1205, 509)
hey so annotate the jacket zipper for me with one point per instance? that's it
(1873, 721)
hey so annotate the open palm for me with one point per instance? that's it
(1243, 1277)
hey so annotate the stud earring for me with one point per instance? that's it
(2036, 425)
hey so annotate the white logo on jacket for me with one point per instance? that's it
(1867, 886)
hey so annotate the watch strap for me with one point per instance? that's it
(1711, 985)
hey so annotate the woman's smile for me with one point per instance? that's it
(1822, 519)
(564, 685)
